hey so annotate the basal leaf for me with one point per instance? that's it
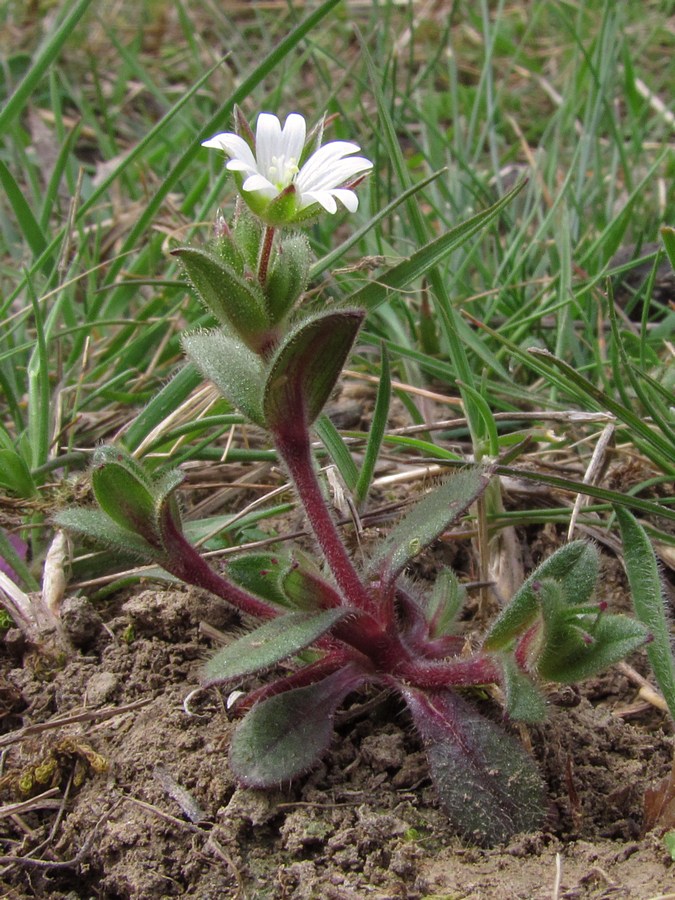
(284, 736)
(487, 784)
(574, 567)
(269, 644)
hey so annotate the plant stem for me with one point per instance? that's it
(265, 253)
(472, 671)
(186, 563)
(296, 453)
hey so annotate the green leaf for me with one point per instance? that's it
(444, 604)
(668, 235)
(648, 601)
(574, 566)
(260, 573)
(124, 491)
(305, 588)
(269, 644)
(235, 370)
(524, 701)
(429, 517)
(307, 366)
(337, 450)
(284, 736)
(30, 227)
(15, 475)
(488, 786)
(232, 298)
(578, 641)
(94, 524)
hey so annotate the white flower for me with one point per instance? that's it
(275, 166)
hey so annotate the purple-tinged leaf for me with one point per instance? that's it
(306, 368)
(487, 784)
(269, 644)
(284, 736)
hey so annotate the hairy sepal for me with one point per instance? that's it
(306, 367)
(487, 784)
(235, 369)
(284, 736)
(427, 520)
(573, 567)
(269, 644)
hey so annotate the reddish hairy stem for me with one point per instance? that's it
(186, 563)
(296, 453)
(461, 672)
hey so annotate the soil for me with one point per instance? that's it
(143, 804)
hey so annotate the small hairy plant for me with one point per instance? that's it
(337, 625)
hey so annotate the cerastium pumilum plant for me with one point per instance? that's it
(338, 625)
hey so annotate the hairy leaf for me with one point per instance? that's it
(230, 297)
(307, 366)
(97, 526)
(488, 785)
(648, 601)
(574, 567)
(269, 644)
(427, 520)
(235, 370)
(284, 736)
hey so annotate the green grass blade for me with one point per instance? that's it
(337, 450)
(378, 426)
(649, 603)
(421, 261)
(30, 227)
(46, 56)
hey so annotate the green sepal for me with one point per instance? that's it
(232, 298)
(284, 736)
(269, 644)
(226, 249)
(282, 209)
(288, 276)
(427, 520)
(235, 370)
(247, 234)
(444, 604)
(307, 365)
(124, 492)
(524, 701)
(97, 526)
(574, 567)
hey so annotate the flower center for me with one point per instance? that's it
(282, 171)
